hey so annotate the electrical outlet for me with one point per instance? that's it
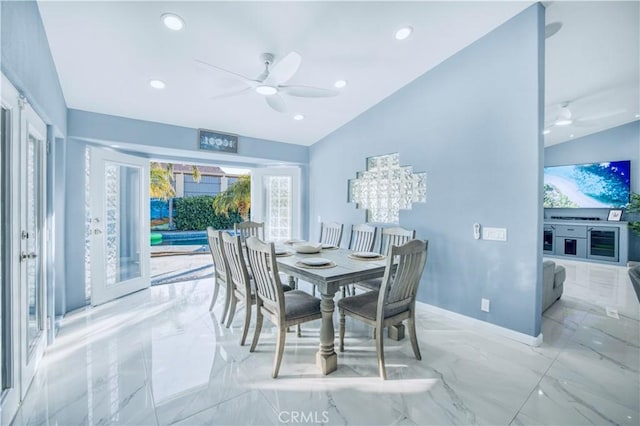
(484, 305)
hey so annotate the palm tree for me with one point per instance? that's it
(237, 197)
(160, 182)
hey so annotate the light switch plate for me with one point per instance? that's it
(485, 305)
(494, 234)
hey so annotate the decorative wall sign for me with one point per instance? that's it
(214, 141)
(386, 187)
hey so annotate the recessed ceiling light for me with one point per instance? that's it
(637, 115)
(266, 90)
(172, 21)
(571, 135)
(157, 84)
(340, 84)
(403, 33)
(546, 131)
(298, 117)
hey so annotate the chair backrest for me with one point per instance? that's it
(238, 273)
(331, 233)
(262, 261)
(363, 237)
(249, 229)
(394, 237)
(215, 246)
(405, 266)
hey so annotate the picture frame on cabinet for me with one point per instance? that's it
(615, 215)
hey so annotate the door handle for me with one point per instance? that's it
(97, 232)
(25, 256)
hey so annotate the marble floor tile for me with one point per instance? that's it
(159, 357)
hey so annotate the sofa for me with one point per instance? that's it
(553, 277)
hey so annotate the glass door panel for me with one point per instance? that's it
(275, 200)
(119, 233)
(32, 235)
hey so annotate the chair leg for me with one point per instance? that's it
(232, 309)
(299, 331)
(256, 333)
(342, 324)
(216, 289)
(380, 352)
(247, 321)
(314, 290)
(227, 299)
(282, 334)
(412, 335)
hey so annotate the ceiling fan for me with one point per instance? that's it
(271, 83)
(561, 115)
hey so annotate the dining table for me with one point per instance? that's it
(345, 268)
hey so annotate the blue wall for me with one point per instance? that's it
(619, 143)
(27, 62)
(473, 124)
(110, 128)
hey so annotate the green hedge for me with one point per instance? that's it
(196, 213)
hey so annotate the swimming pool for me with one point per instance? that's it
(181, 238)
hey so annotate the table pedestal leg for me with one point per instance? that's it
(396, 331)
(326, 358)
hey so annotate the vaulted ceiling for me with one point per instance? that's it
(107, 52)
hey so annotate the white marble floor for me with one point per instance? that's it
(159, 357)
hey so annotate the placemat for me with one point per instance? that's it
(284, 254)
(366, 258)
(328, 265)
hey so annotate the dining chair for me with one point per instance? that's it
(331, 233)
(389, 237)
(394, 302)
(249, 229)
(363, 237)
(239, 281)
(220, 275)
(283, 309)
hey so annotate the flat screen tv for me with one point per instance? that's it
(604, 185)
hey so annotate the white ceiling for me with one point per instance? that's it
(593, 63)
(106, 53)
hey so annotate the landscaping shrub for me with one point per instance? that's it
(196, 213)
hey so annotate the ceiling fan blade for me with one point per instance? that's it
(308, 92)
(276, 102)
(229, 94)
(600, 116)
(285, 68)
(232, 74)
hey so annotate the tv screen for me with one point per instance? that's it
(603, 185)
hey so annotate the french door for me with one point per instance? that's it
(23, 231)
(275, 200)
(119, 240)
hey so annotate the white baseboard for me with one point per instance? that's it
(483, 325)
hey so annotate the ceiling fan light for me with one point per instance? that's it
(563, 122)
(265, 90)
(339, 84)
(403, 33)
(172, 21)
(298, 117)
